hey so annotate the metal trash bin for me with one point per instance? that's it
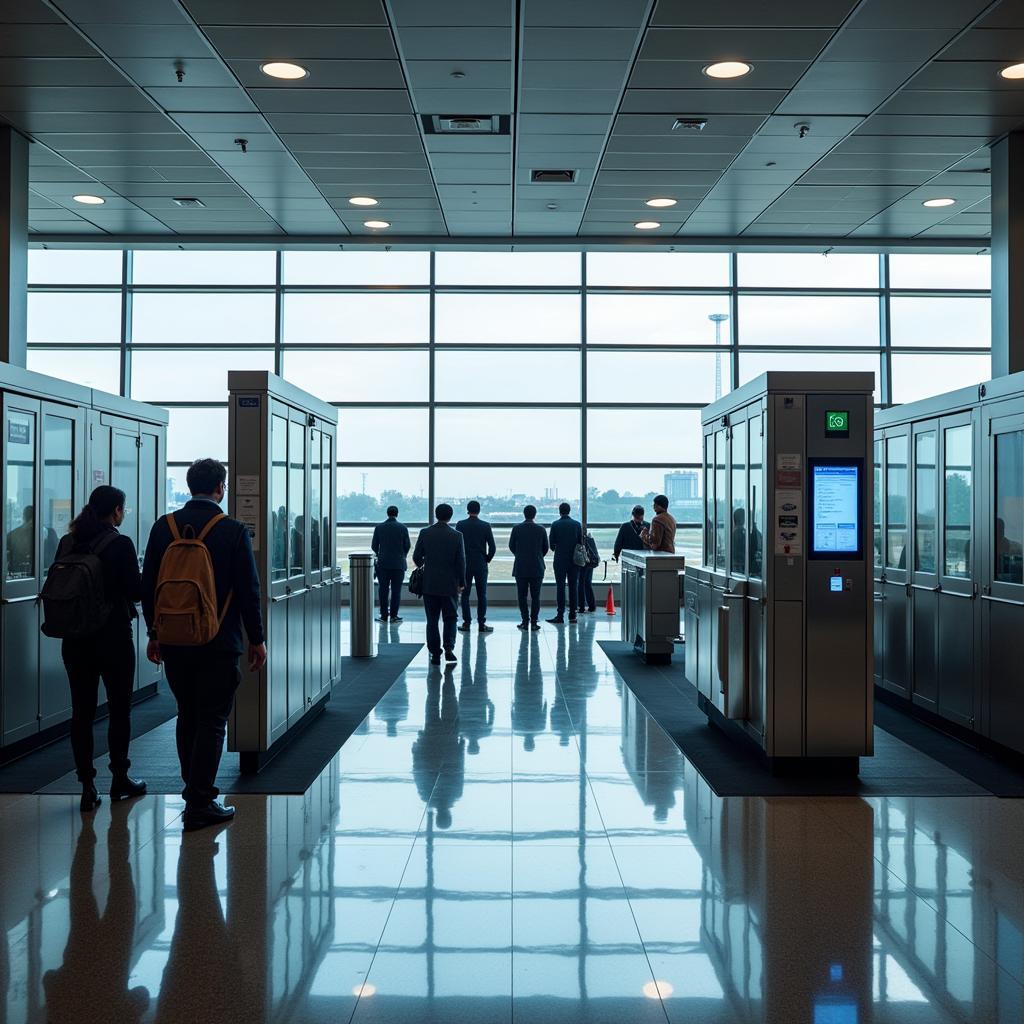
(361, 604)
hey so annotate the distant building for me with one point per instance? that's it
(551, 494)
(682, 485)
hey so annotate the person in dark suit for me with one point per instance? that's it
(480, 549)
(529, 543)
(630, 535)
(391, 546)
(566, 533)
(441, 553)
(204, 679)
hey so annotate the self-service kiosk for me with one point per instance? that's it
(59, 441)
(778, 615)
(282, 445)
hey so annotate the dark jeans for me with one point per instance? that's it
(204, 686)
(110, 656)
(528, 585)
(476, 574)
(585, 589)
(440, 606)
(390, 585)
(566, 575)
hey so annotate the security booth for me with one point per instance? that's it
(778, 616)
(282, 451)
(60, 441)
(949, 557)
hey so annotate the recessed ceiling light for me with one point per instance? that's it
(728, 69)
(647, 225)
(376, 223)
(363, 201)
(1014, 72)
(89, 200)
(661, 202)
(938, 202)
(283, 69)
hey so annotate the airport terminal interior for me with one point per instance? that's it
(759, 263)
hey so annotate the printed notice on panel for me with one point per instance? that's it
(247, 510)
(247, 484)
(788, 523)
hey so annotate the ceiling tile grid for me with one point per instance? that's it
(852, 116)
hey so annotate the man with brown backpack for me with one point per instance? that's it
(199, 588)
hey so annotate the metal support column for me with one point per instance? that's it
(1008, 255)
(13, 246)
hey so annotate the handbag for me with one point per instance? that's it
(581, 556)
(415, 585)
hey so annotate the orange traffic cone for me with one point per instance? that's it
(609, 605)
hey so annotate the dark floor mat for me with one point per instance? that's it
(41, 767)
(363, 682)
(733, 768)
(999, 777)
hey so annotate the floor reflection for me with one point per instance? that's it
(514, 839)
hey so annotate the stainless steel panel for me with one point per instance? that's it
(756, 680)
(956, 667)
(20, 660)
(894, 613)
(924, 618)
(1006, 709)
(54, 691)
(785, 726)
(277, 669)
(296, 614)
(691, 613)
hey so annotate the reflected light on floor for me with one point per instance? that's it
(658, 990)
(364, 991)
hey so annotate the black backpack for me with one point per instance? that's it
(74, 598)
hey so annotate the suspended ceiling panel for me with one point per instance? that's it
(853, 115)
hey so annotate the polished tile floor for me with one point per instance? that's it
(514, 839)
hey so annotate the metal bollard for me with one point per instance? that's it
(361, 606)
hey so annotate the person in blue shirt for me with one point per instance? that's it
(480, 549)
(391, 545)
(565, 533)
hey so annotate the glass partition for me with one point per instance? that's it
(721, 508)
(709, 499)
(738, 519)
(877, 518)
(327, 491)
(279, 497)
(1008, 528)
(896, 503)
(957, 499)
(297, 497)
(925, 482)
(756, 541)
(19, 495)
(315, 471)
(125, 474)
(57, 484)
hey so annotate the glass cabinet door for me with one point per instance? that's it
(721, 504)
(279, 526)
(877, 517)
(738, 516)
(957, 503)
(298, 522)
(896, 493)
(58, 484)
(124, 473)
(925, 560)
(327, 544)
(20, 448)
(755, 542)
(315, 482)
(1006, 533)
(709, 499)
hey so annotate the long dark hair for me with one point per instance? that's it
(100, 506)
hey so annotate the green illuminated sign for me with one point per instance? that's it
(837, 422)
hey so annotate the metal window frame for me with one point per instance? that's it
(732, 291)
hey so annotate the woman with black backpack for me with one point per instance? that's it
(97, 640)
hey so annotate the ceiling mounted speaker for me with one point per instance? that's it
(553, 177)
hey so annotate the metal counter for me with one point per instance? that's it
(650, 603)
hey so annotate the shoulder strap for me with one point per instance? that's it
(210, 525)
(100, 545)
(172, 525)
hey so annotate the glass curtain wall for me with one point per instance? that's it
(508, 377)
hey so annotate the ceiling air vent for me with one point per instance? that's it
(690, 124)
(553, 177)
(190, 201)
(466, 124)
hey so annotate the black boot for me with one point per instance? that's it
(123, 787)
(90, 798)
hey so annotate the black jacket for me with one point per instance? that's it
(529, 543)
(234, 569)
(479, 539)
(565, 534)
(121, 579)
(628, 538)
(391, 545)
(441, 552)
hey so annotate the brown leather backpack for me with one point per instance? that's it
(185, 606)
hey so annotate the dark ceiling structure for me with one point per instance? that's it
(446, 111)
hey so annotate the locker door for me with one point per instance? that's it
(62, 494)
(124, 473)
(151, 507)
(897, 559)
(878, 571)
(924, 587)
(20, 561)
